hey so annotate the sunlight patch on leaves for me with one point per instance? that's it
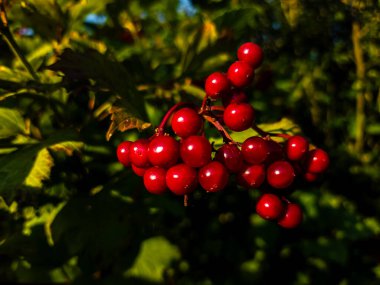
(11, 123)
(40, 170)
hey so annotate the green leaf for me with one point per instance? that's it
(11, 123)
(40, 170)
(155, 255)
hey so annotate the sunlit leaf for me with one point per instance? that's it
(11, 123)
(40, 170)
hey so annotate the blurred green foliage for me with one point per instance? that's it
(69, 213)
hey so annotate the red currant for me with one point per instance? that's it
(231, 157)
(139, 171)
(240, 74)
(236, 97)
(252, 176)
(213, 177)
(269, 207)
(155, 180)
(317, 161)
(216, 85)
(275, 151)
(163, 151)
(186, 122)
(239, 117)
(310, 177)
(181, 179)
(138, 152)
(292, 217)
(195, 151)
(280, 174)
(250, 53)
(122, 153)
(255, 150)
(296, 147)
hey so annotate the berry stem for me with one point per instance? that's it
(226, 137)
(185, 200)
(217, 108)
(205, 105)
(263, 133)
(161, 127)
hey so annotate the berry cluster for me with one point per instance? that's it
(182, 161)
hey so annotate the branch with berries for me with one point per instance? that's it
(185, 159)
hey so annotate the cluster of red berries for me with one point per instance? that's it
(166, 163)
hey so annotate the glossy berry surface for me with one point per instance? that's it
(213, 177)
(280, 174)
(163, 151)
(296, 147)
(240, 74)
(230, 156)
(181, 179)
(250, 53)
(138, 153)
(195, 151)
(186, 122)
(216, 85)
(317, 161)
(155, 180)
(269, 207)
(239, 117)
(252, 176)
(236, 97)
(292, 216)
(122, 153)
(275, 151)
(255, 150)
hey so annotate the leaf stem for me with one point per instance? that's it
(226, 136)
(8, 37)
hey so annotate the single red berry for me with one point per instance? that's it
(122, 153)
(317, 161)
(181, 179)
(292, 216)
(138, 153)
(213, 177)
(155, 180)
(310, 177)
(195, 151)
(240, 74)
(186, 122)
(255, 150)
(163, 151)
(252, 176)
(216, 85)
(251, 53)
(230, 155)
(239, 117)
(139, 171)
(280, 174)
(296, 147)
(275, 151)
(269, 207)
(236, 97)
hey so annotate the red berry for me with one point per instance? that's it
(250, 53)
(163, 151)
(122, 153)
(269, 207)
(236, 97)
(292, 216)
(216, 85)
(186, 122)
(230, 155)
(310, 177)
(317, 161)
(280, 174)
(195, 151)
(240, 74)
(255, 150)
(275, 151)
(213, 177)
(296, 147)
(139, 171)
(138, 152)
(252, 176)
(155, 180)
(239, 117)
(181, 179)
